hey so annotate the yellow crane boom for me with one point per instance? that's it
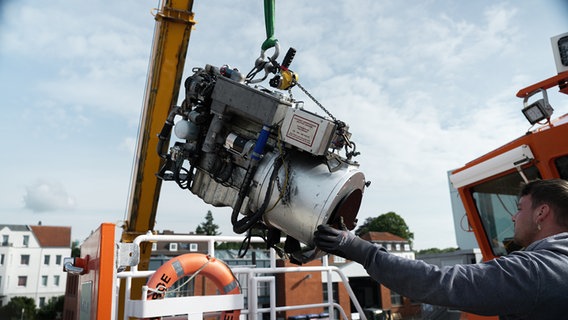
(174, 22)
(171, 38)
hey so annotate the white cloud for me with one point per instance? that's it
(83, 56)
(424, 86)
(47, 195)
(129, 145)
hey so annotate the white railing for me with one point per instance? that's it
(195, 307)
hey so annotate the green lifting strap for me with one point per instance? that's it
(269, 22)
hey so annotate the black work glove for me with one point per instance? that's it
(342, 243)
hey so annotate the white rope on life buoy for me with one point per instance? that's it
(194, 264)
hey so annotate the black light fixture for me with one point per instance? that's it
(538, 110)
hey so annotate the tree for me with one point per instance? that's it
(208, 227)
(436, 250)
(75, 249)
(52, 310)
(388, 222)
(19, 308)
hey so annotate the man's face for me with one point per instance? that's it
(525, 222)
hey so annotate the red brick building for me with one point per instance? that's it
(364, 286)
(303, 287)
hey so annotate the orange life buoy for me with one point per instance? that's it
(191, 263)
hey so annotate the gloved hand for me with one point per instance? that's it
(341, 243)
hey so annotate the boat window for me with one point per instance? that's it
(496, 202)
(562, 167)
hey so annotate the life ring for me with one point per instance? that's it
(191, 263)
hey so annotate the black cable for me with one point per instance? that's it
(166, 132)
(240, 226)
(183, 183)
(243, 246)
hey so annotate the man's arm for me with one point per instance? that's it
(501, 286)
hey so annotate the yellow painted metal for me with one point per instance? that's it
(174, 22)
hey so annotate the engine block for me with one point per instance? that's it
(259, 152)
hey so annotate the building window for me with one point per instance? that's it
(173, 247)
(1, 259)
(56, 281)
(58, 259)
(335, 297)
(389, 247)
(338, 259)
(26, 241)
(193, 247)
(41, 302)
(46, 259)
(335, 293)
(5, 239)
(396, 299)
(25, 259)
(406, 247)
(44, 281)
(397, 247)
(22, 281)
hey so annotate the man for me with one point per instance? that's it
(529, 284)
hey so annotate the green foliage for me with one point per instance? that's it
(388, 222)
(436, 250)
(18, 305)
(75, 249)
(227, 246)
(208, 227)
(52, 309)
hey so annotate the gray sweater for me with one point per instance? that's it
(530, 284)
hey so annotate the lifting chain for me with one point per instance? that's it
(317, 102)
(340, 125)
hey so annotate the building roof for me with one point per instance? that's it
(52, 236)
(15, 227)
(375, 236)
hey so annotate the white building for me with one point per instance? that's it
(31, 262)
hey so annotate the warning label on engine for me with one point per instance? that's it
(302, 130)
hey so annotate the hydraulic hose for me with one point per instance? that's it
(165, 134)
(240, 226)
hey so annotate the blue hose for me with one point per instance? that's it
(260, 143)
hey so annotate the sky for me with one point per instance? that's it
(425, 86)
